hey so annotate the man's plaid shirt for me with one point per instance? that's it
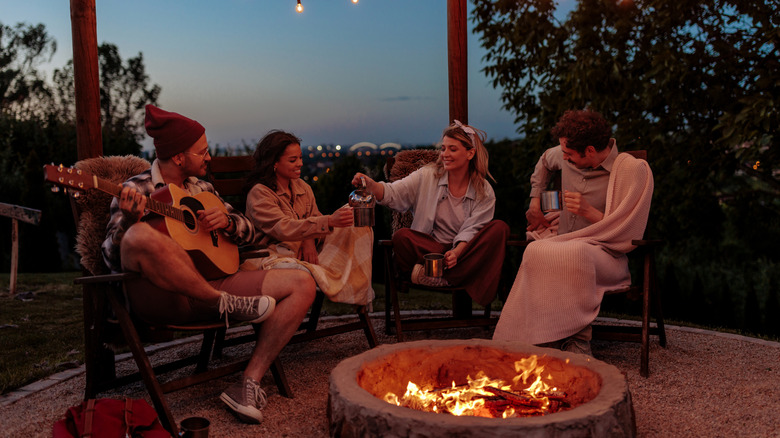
(146, 184)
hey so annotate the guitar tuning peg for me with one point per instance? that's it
(60, 168)
(76, 195)
(55, 189)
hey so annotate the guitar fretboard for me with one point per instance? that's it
(158, 207)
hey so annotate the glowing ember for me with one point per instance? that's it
(486, 397)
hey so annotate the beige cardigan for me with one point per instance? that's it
(562, 279)
(345, 254)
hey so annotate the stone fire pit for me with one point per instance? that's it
(357, 385)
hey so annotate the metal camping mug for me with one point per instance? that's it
(434, 264)
(362, 202)
(551, 201)
(363, 216)
(194, 427)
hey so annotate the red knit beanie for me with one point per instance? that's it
(172, 132)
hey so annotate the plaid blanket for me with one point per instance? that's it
(344, 270)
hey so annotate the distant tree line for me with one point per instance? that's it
(37, 126)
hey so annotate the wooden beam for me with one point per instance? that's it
(86, 79)
(24, 214)
(457, 60)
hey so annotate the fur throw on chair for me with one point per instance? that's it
(93, 206)
(404, 163)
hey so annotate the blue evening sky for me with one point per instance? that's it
(339, 73)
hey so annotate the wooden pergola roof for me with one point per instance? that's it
(87, 84)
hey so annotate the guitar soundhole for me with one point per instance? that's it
(189, 220)
(194, 206)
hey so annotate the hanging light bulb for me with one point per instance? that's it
(354, 1)
(299, 7)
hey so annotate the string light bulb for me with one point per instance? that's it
(299, 7)
(354, 1)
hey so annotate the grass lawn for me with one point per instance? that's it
(43, 333)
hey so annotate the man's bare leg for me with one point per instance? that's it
(164, 262)
(294, 292)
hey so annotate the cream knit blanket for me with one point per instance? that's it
(344, 270)
(562, 279)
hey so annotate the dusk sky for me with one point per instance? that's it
(339, 73)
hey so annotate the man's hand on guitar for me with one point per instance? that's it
(132, 203)
(214, 219)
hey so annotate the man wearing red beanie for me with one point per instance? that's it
(280, 298)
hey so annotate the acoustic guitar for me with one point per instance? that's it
(173, 212)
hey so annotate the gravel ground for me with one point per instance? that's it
(704, 384)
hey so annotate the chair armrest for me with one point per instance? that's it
(106, 278)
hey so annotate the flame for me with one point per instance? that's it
(469, 399)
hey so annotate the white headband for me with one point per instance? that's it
(468, 130)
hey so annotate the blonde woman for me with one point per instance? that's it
(453, 206)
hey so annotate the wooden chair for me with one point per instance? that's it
(462, 315)
(105, 309)
(228, 176)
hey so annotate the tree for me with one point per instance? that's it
(37, 126)
(693, 81)
(124, 92)
(22, 49)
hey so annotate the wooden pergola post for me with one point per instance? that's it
(457, 60)
(83, 22)
(98, 360)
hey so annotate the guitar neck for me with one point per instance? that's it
(154, 205)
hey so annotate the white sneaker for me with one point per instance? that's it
(418, 277)
(246, 399)
(253, 309)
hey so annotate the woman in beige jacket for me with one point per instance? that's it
(288, 223)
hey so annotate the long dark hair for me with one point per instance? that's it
(268, 151)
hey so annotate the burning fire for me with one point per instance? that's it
(486, 397)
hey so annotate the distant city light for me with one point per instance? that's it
(338, 147)
(319, 147)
